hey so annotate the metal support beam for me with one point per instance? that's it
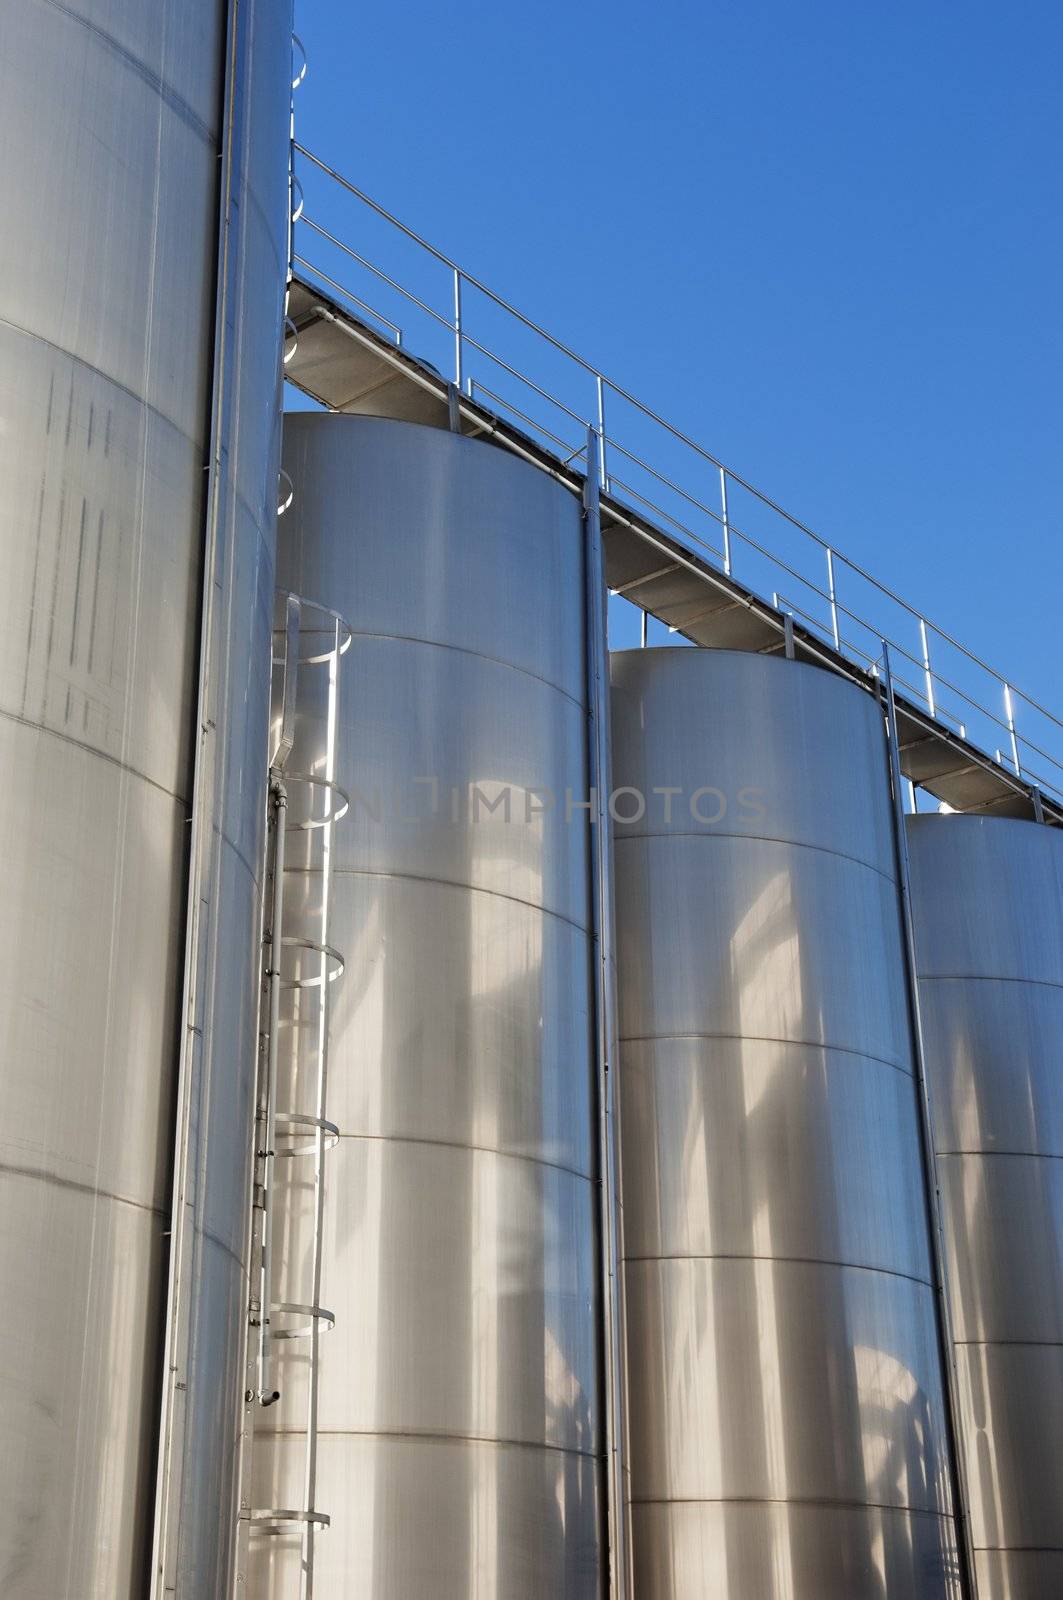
(606, 1031)
(648, 577)
(958, 1473)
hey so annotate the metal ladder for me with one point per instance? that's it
(291, 1121)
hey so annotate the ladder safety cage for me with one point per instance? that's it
(291, 1121)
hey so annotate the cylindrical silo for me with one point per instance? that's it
(988, 910)
(460, 1390)
(787, 1430)
(115, 295)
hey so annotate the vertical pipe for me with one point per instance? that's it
(726, 523)
(202, 1416)
(943, 1319)
(645, 630)
(833, 600)
(605, 1029)
(603, 480)
(458, 351)
(928, 677)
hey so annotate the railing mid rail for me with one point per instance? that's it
(387, 273)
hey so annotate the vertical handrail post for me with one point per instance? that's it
(603, 478)
(1009, 717)
(725, 522)
(928, 1148)
(606, 1031)
(459, 361)
(833, 594)
(928, 676)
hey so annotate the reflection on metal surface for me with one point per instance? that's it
(460, 1434)
(787, 1428)
(112, 124)
(988, 898)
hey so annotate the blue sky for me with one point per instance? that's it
(826, 238)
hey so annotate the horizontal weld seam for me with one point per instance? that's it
(1021, 1549)
(197, 443)
(442, 883)
(710, 831)
(800, 1261)
(93, 750)
(1016, 1155)
(478, 655)
(768, 1038)
(441, 1438)
(792, 1500)
(986, 977)
(479, 1149)
(1033, 1344)
(76, 1185)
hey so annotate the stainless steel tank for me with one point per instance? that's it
(787, 1436)
(460, 1391)
(988, 910)
(112, 117)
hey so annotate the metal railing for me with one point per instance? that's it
(386, 273)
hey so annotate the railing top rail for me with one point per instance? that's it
(734, 478)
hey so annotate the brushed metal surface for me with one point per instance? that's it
(770, 1135)
(1019, 871)
(471, 1318)
(988, 903)
(440, 577)
(765, 977)
(787, 1423)
(460, 1389)
(436, 1014)
(1019, 1574)
(1011, 1399)
(1003, 1221)
(79, 1413)
(807, 1383)
(662, 713)
(453, 1519)
(997, 1097)
(109, 122)
(459, 782)
(832, 1552)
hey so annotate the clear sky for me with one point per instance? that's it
(827, 238)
